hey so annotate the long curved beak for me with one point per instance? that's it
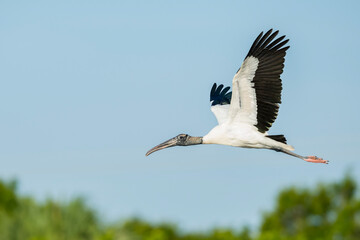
(169, 143)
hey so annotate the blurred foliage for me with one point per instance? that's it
(328, 211)
(8, 198)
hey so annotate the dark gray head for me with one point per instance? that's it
(179, 140)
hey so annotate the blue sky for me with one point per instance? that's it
(87, 87)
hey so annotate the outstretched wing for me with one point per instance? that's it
(257, 85)
(220, 102)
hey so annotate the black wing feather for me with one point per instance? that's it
(218, 95)
(267, 82)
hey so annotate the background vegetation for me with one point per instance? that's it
(328, 211)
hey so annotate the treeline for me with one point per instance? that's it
(327, 211)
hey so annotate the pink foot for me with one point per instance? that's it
(315, 159)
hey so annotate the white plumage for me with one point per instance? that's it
(220, 112)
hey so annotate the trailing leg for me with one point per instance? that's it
(312, 159)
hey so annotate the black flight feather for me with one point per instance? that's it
(218, 95)
(270, 52)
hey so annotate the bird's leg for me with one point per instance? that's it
(312, 159)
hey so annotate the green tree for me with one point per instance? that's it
(50, 220)
(8, 198)
(329, 211)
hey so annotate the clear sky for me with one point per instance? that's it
(87, 87)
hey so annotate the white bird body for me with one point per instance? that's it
(242, 135)
(246, 114)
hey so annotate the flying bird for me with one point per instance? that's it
(246, 114)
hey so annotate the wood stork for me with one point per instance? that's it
(246, 114)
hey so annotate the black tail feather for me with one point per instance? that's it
(279, 138)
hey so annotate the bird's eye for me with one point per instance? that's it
(182, 137)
